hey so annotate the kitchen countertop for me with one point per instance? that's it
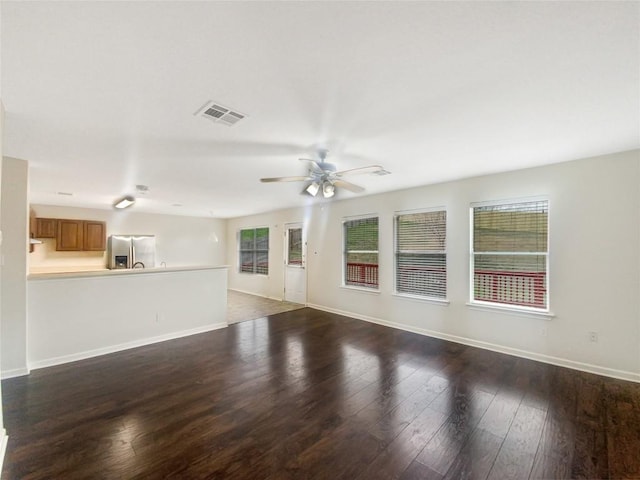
(123, 271)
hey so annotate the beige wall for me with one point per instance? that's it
(45, 259)
(3, 440)
(13, 221)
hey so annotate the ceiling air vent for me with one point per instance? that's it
(219, 114)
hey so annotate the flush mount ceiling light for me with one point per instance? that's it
(125, 202)
(313, 188)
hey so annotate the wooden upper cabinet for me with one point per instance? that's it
(45, 228)
(70, 235)
(95, 236)
(76, 235)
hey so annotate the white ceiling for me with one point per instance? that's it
(100, 97)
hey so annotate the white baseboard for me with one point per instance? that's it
(14, 372)
(3, 446)
(561, 362)
(50, 362)
(278, 299)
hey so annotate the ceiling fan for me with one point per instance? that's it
(324, 177)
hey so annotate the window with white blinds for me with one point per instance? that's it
(254, 250)
(361, 252)
(421, 258)
(510, 254)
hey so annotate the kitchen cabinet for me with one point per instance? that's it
(46, 228)
(70, 235)
(80, 235)
(95, 236)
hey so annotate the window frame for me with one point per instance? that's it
(254, 250)
(344, 284)
(396, 252)
(525, 309)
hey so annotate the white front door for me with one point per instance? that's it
(295, 272)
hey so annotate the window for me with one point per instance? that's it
(361, 252)
(294, 246)
(254, 250)
(509, 257)
(421, 260)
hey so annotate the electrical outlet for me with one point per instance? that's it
(543, 331)
(593, 337)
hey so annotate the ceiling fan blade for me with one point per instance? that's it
(285, 179)
(359, 170)
(348, 186)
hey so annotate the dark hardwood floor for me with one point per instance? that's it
(311, 395)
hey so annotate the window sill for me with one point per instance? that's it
(373, 291)
(418, 298)
(521, 312)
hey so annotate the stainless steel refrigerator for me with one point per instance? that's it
(132, 251)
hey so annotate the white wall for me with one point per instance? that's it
(180, 241)
(272, 285)
(75, 318)
(594, 263)
(13, 222)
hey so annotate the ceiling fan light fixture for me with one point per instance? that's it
(325, 177)
(124, 202)
(328, 189)
(313, 188)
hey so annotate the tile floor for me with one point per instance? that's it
(243, 306)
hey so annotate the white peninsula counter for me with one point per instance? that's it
(78, 315)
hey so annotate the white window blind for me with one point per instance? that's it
(361, 252)
(421, 259)
(254, 250)
(510, 254)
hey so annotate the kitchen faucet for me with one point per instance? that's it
(137, 263)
